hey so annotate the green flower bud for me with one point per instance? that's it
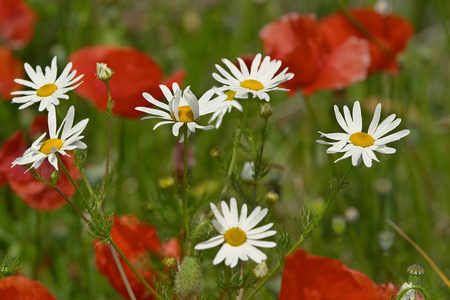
(170, 262)
(215, 152)
(415, 273)
(103, 72)
(189, 281)
(272, 197)
(265, 111)
(54, 177)
(338, 225)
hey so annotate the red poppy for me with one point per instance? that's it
(10, 68)
(307, 276)
(391, 33)
(36, 194)
(134, 73)
(22, 288)
(138, 242)
(16, 22)
(298, 42)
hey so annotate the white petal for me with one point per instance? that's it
(211, 243)
(393, 137)
(376, 118)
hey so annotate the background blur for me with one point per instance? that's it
(410, 187)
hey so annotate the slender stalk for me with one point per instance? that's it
(232, 163)
(122, 273)
(63, 167)
(142, 279)
(185, 195)
(70, 203)
(258, 162)
(108, 145)
(86, 182)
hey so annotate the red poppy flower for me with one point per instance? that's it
(391, 33)
(138, 242)
(16, 22)
(36, 194)
(134, 73)
(10, 68)
(307, 276)
(299, 43)
(22, 288)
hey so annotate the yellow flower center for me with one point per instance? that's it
(361, 139)
(49, 145)
(252, 84)
(235, 237)
(46, 90)
(230, 95)
(185, 114)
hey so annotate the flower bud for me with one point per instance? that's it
(248, 172)
(54, 177)
(317, 206)
(103, 72)
(166, 182)
(338, 224)
(265, 111)
(386, 240)
(352, 215)
(215, 152)
(410, 294)
(261, 270)
(272, 197)
(415, 273)
(189, 280)
(170, 262)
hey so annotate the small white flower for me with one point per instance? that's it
(104, 73)
(410, 294)
(257, 81)
(183, 108)
(47, 89)
(229, 103)
(248, 172)
(238, 235)
(360, 145)
(69, 139)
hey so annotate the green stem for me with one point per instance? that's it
(70, 203)
(63, 167)
(142, 279)
(258, 162)
(86, 182)
(185, 184)
(232, 163)
(108, 145)
(122, 273)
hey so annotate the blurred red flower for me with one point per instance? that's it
(134, 73)
(391, 33)
(311, 277)
(23, 288)
(10, 68)
(299, 43)
(36, 194)
(16, 23)
(139, 243)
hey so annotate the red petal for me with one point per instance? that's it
(10, 68)
(22, 288)
(347, 64)
(171, 248)
(134, 73)
(312, 277)
(16, 22)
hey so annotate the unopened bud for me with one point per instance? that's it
(166, 182)
(386, 240)
(215, 152)
(265, 111)
(189, 281)
(248, 172)
(54, 177)
(352, 215)
(261, 270)
(272, 197)
(338, 225)
(103, 72)
(415, 273)
(410, 294)
(170, 262)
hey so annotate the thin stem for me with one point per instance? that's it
(142, 279)
(108, 145)
(122, 273)
(86, 182)
(232, 163)
(70, 203)
(185, 184)
(258, 162)
(63, 167)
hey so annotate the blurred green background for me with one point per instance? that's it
(410, 187)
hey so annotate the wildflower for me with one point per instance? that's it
(298, 41)
(229, 103)
(410, 294)
(19, 287)
(261, 270)
(238, 235)
(47, 89)
(10, 68)
(257, 81)
(17, 22)
(307, 276)
(360, 145)
(70, 139)
(103, 72)
(352, 214)
(182, 108)
(135, 72)
(387, 35)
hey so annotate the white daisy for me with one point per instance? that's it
(229, 103)
(47, 89)
(238, 235)
(183, 108)
(257, 81)
(360, 145)
(410, 294)
(70, 139)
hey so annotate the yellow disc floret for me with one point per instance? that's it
(252, 84)
(235, 237)
(49, 145)
(46, 90)
(230, 95)
(361, 139)
(185, 114)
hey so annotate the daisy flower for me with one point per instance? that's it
(182, 108)
(238, 236)
(229, 103)
(257, 81)
(69, 139)
(47, 89)
(360, 145)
